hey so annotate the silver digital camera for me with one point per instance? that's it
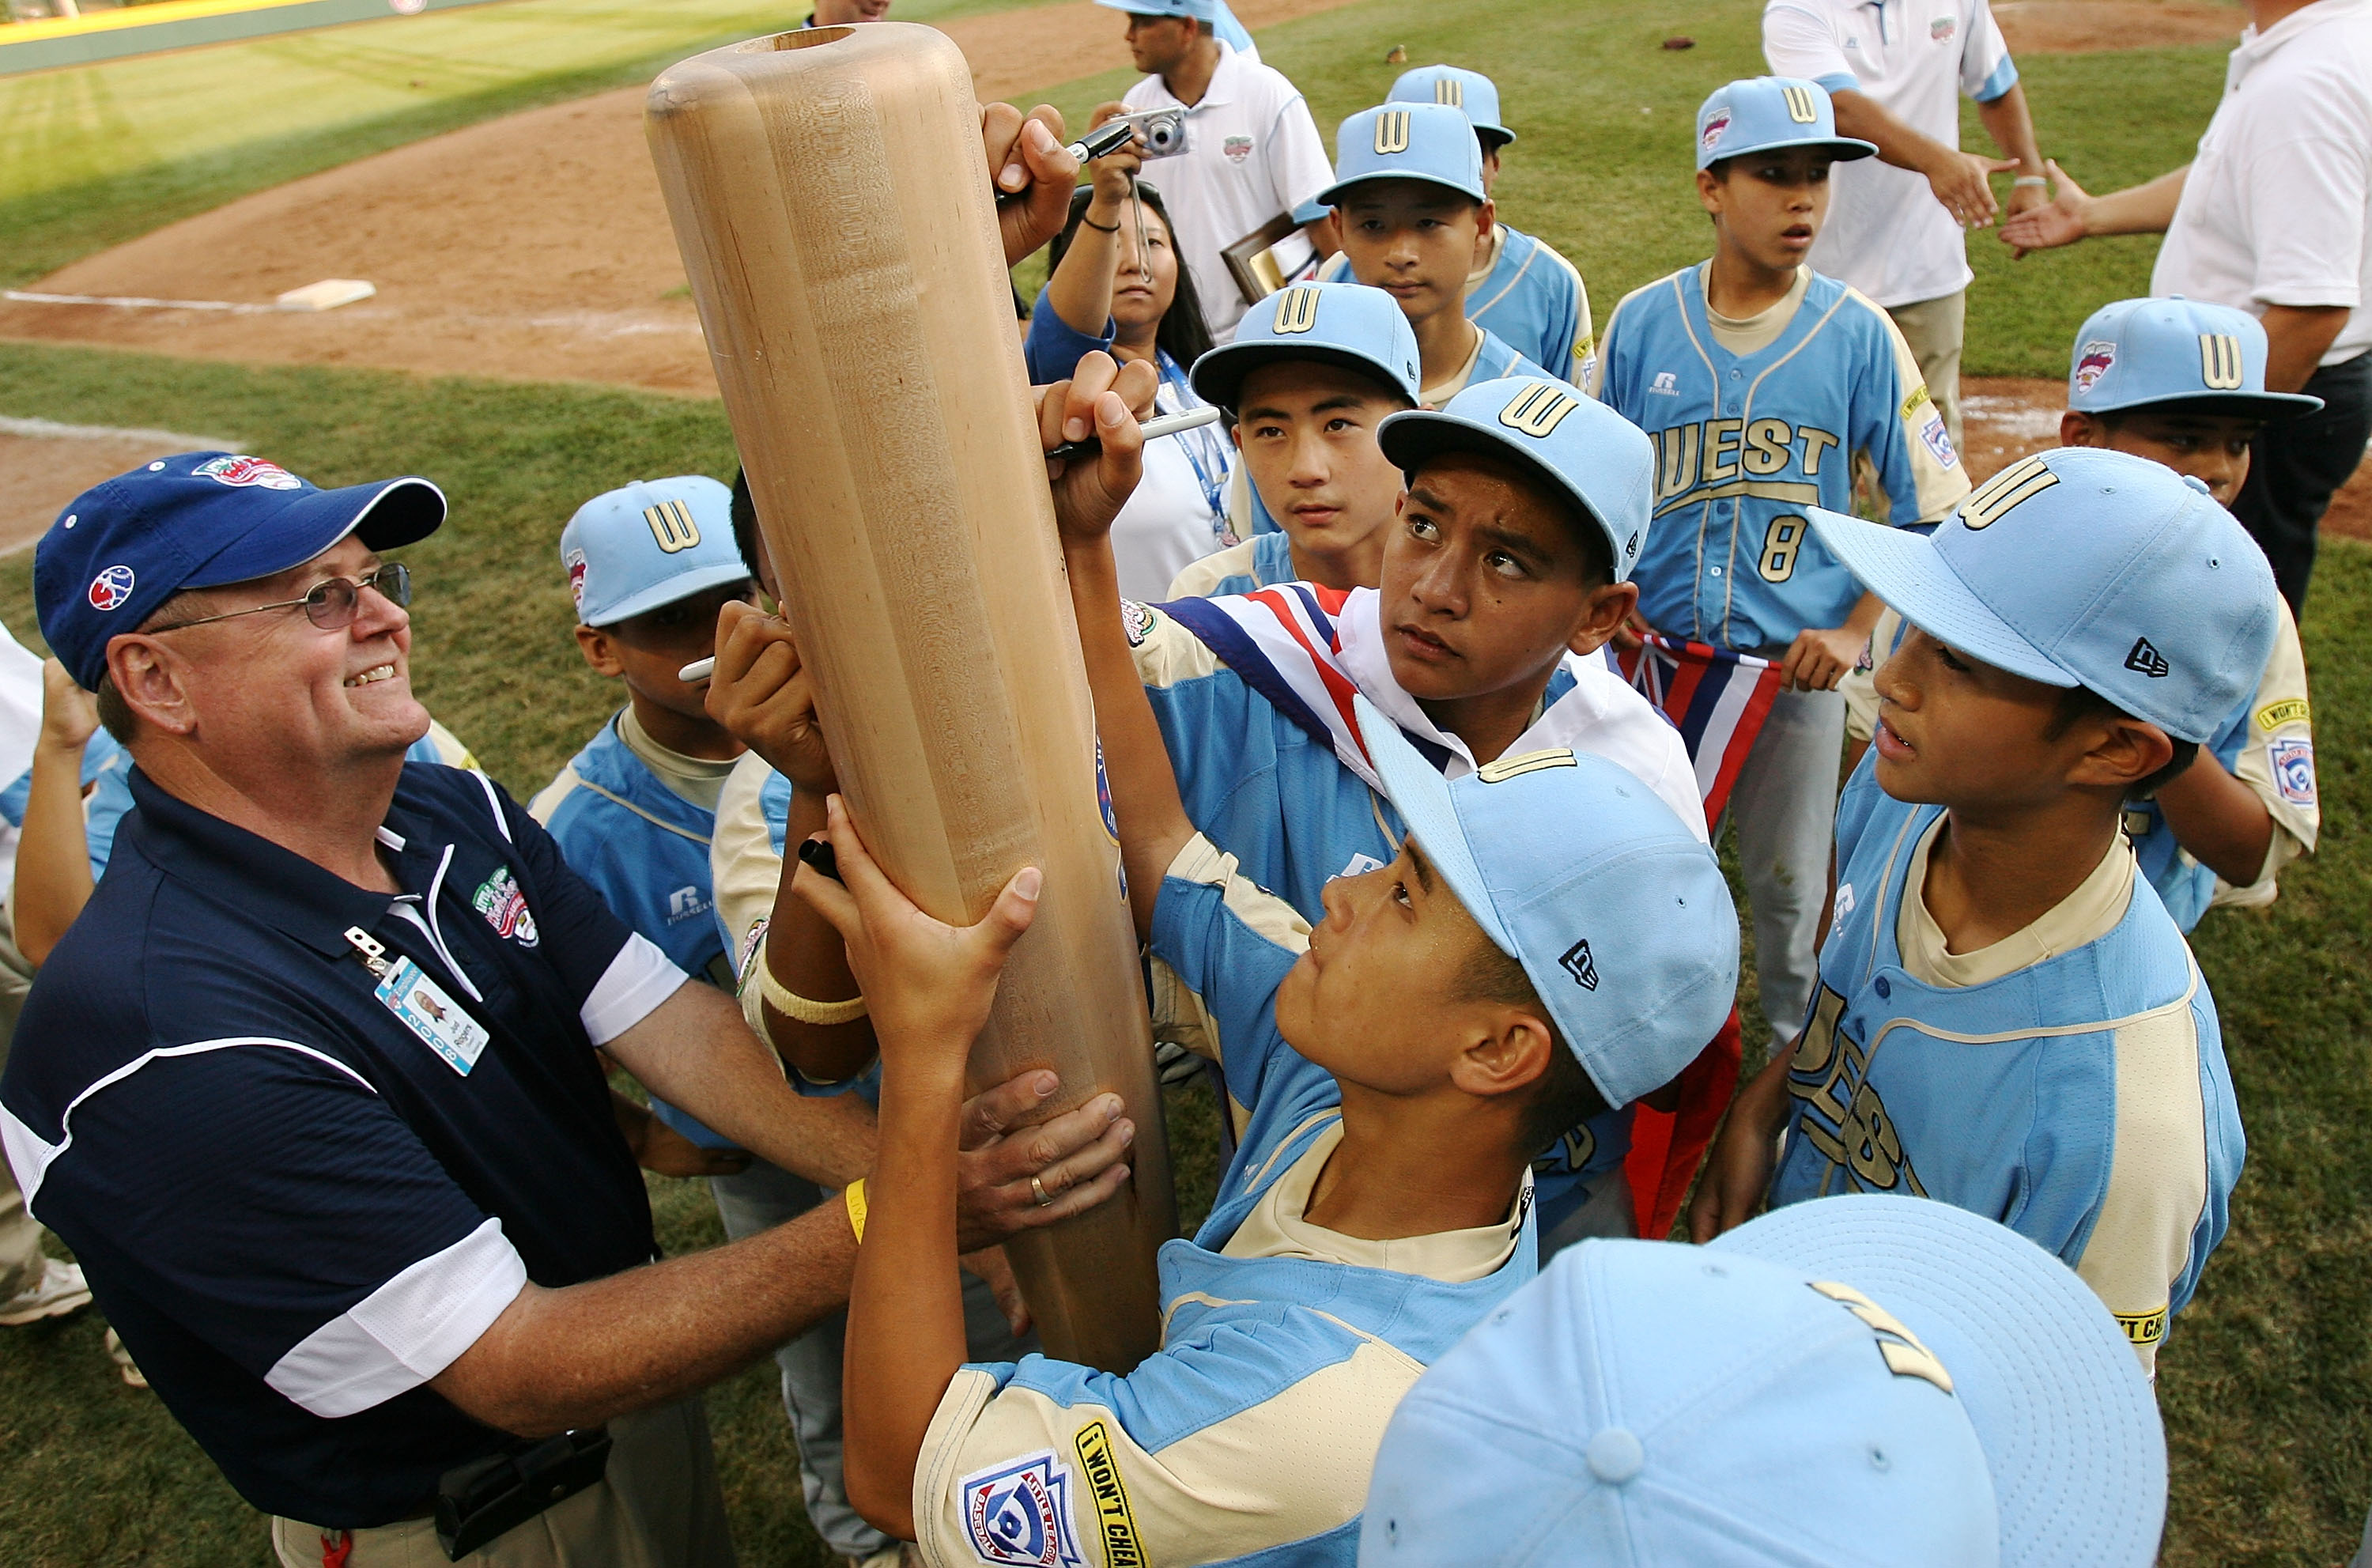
(1160, 133)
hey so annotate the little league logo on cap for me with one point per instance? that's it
(111, 588)
(1427, 142)
(1346, 324)
(1577, 447)
(2155, 597)
(199, 520)
(2190, 356)
(1854, 1379)
(1471, 92)
(1579, 872)
(1763, 114)
(648, 544)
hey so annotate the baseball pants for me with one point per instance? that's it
(759, 1199)
(21, 1259)
(2296, 466)
(1785, 809)
(1934, 330)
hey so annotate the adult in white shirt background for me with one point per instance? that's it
(1252, 151)
(1896, 71)
(2274, 217)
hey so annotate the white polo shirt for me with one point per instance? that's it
(1251, 152)
(1887, 235)
(2277, 209)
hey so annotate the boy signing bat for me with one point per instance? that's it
(1548, 937)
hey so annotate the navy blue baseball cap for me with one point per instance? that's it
(199, 520)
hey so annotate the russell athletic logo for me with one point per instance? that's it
(111, 587)
(1393, 131)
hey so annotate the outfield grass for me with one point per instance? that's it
(97, 154)
(2267, 1380)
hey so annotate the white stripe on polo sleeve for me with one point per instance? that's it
(638, 981)
(407, 1330)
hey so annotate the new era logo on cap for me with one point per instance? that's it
(1578, 963)
(2146, 660)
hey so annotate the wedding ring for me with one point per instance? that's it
(1038, 1190)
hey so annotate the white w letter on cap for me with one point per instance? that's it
(1905, 1357)
(1296, 310)
(1993, 501)
(1538, 409)
(2219, 361)
(1800, 107)
(671, 525)
(1450, 90)
(1393, 131)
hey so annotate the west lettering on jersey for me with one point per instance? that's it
(1846, 1121)
(1707, 459)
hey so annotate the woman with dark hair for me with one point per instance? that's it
(1117, 284)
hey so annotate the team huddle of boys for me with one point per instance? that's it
(1427, 888)
(1427, 882)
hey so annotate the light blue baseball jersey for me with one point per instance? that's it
(1249, 1437)
(1495, 360)
(645, 850)
(1262, 561)
(2080, 1097)
(1529, 298)
(103, 755)
(1260, 777)
(1745, 442)
(2267, 742)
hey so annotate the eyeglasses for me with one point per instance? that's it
(332, 605)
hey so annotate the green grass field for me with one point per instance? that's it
(2267, 1381)
(96, 155)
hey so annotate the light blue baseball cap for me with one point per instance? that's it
(1192, 10)
(1574, 869)
(1471, 92)
(1869, 1380)
(1347, 324)
(2210, 358)
(649, 543)
(1430, 141)
(2081, 566)
(1757, 114)
(1575, 445)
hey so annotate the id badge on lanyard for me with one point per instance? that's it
(405, 990)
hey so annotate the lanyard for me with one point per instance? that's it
(1203, 452)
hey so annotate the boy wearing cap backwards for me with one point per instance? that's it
(2183, 383)
(1897, 1382)
(1416, 221)
(1520, 288)
(1503, 577)
(1761, 382)
(2008, 1020)
(1312, 371)
(1548, 938)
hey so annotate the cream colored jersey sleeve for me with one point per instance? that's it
(745, 871)
(2277, 764)
(1938, 488)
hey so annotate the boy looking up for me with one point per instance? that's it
(1548, 938)
(1416, 223)
(1503, 577)
(2008, 1020)
(1520, 288)
(1312, 372)
(1761, 382)
(2183, 384)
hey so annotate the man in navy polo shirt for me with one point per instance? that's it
(311, 1086)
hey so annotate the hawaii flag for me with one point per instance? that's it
(1717, 701)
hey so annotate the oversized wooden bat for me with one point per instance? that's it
(834, 206)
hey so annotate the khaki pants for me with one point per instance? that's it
(20, 1235)
(657, 1507)
(1934, 328)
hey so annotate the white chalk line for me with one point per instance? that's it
(52, 430)
(23, 296)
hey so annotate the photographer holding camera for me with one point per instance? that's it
(1250, 150)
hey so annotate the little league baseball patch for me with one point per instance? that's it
(1020, 1514)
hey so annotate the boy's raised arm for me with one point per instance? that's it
(1088, 495)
